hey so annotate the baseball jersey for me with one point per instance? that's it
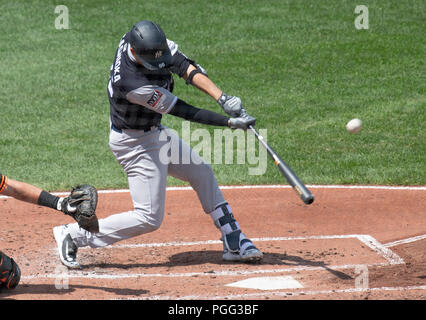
(3, 182)
(138, 97)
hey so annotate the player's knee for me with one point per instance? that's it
(10, 274)
(149, 221)
(155, 224)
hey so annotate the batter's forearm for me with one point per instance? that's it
(186, 111)
(203, 83)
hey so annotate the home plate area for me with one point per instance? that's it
(354, 242)
(194, 270)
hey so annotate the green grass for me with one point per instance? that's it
(301, 68)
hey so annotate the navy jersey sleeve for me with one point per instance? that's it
(180, 62)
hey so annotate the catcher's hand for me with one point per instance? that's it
(81, 205)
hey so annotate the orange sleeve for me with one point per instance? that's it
(3, 182)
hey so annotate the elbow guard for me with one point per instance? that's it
(199, 69)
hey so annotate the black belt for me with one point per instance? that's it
(143, 129)
(116, 129)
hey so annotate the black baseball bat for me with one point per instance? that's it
(286, 171)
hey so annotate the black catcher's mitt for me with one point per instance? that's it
(9, 272)
(81, 205)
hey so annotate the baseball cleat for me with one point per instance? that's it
(247, 253)
(67, 249)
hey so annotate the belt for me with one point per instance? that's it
(143, 130)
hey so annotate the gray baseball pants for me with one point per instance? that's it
(147, 158)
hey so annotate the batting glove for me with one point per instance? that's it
(230, 104)
(242, 122)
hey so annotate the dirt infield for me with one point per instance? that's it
(351, 243)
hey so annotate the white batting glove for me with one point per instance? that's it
(230, 104)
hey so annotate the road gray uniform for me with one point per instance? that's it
(142, 146)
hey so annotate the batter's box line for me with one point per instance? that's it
(287, 294)
(93, 275)
(405, 241)
(368, 240)
(260, 186)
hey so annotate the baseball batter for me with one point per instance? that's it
(140, 91)
(10, 274)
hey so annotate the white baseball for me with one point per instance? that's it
(354, 125)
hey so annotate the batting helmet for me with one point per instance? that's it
(149, 44)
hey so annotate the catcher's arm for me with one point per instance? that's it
(23, 191)
(81, 205)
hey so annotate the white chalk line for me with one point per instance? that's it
(369, 241)
(280, 186)
(287, 294)
(404, 241)
(380, 249)
(362, 238)
(225, 273)
(274, 186)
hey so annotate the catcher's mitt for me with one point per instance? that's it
(9, 272)
(81, 205)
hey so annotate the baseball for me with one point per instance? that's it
(354, 125)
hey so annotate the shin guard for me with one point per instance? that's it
(231, 233)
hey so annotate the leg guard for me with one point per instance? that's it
(224, 220)
(233, 239)
(236, 247)
(10, 274)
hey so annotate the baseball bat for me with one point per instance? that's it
(286, 171)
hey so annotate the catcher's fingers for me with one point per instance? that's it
(74, 202)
